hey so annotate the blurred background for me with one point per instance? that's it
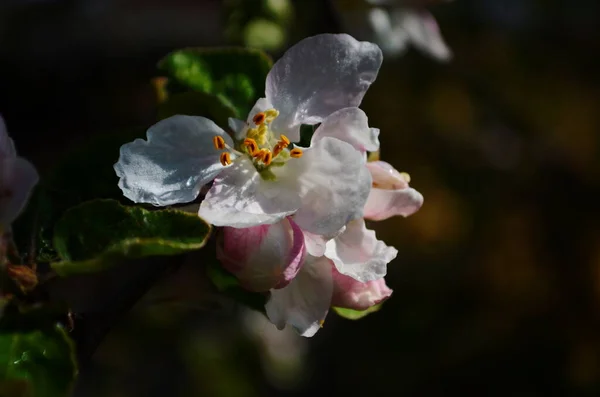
(497, 283)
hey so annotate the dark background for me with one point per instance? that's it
(497, 281)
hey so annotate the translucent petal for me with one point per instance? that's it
(304, 303)
(422, 30)
(358, 254)
(239, 128)
(173, 164)
(334, 185)
(383, 204)
(7, 147)
(240, 197)
(350, 125)
(317, 76)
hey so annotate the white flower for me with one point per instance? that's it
(395, 25)
(260, 177)
(17, 179)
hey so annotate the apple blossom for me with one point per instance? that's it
(260, 177)
(17, 180)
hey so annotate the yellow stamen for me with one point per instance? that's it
(252, 133)
(405, 176)
(251, 145)
(277, 149)
(259, 118)
(284, 139)
(260, 154)
(271, 115)
(219, 142)
(267, 157)
(296, 153)
(321, 323)
(225, 158)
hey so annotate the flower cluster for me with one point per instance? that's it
(292, 217)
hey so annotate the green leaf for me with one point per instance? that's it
(36, 355)
(236, 74)
(228, 284)
(350, 314)
(194, 103)
(100, 234)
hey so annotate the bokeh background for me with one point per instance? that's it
(497, 281)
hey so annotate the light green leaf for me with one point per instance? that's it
(236, 74)
(101, 233)
(350, 314)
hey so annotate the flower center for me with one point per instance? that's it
(260, 145)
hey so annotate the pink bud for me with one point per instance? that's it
(351, 294)
(263, 257)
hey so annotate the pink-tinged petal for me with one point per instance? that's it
(383, 204)
(390, 195)
(317, 76)
(18, 177)
(358, 254)
(173, 164)
(316, 244)
(422, 30)
(304, 303)
(350, 125)
(385, 176)
(263, 257)
(351, 294)
(334, 185)
(240, 197)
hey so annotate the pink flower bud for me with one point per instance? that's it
(263, 257)
(351, 294)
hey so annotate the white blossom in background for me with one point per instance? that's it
(18, 177)
(395, 25)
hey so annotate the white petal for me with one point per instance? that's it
(260, 106)
(383, 203)
(392, 39)
(240, 197)
(358, 254)
(304, 303)
(350, 125)
(423, 31)
(173, 164)
(17, 180)
(334, 185)
(239, 128)
(317, 76)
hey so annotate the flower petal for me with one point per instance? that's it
(350, 125)
(240, 197)
(7, 146)
(383, 204)
(351, 294)
(17, 180)
(358, 254)
(239, 128)
(173, 164)
(317, 76)
(423, 32)
(263, 257)
(334, 185)
(304, 303)
(385, 176)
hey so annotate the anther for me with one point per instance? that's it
(260, 154)
(284, 139)
(219, 142)
(405, 176)
(267, 158)
(259, 118)
(252, 133)
(225, 158)
(271, 115)
(251, 145)
(278, 149)
(296, 153)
